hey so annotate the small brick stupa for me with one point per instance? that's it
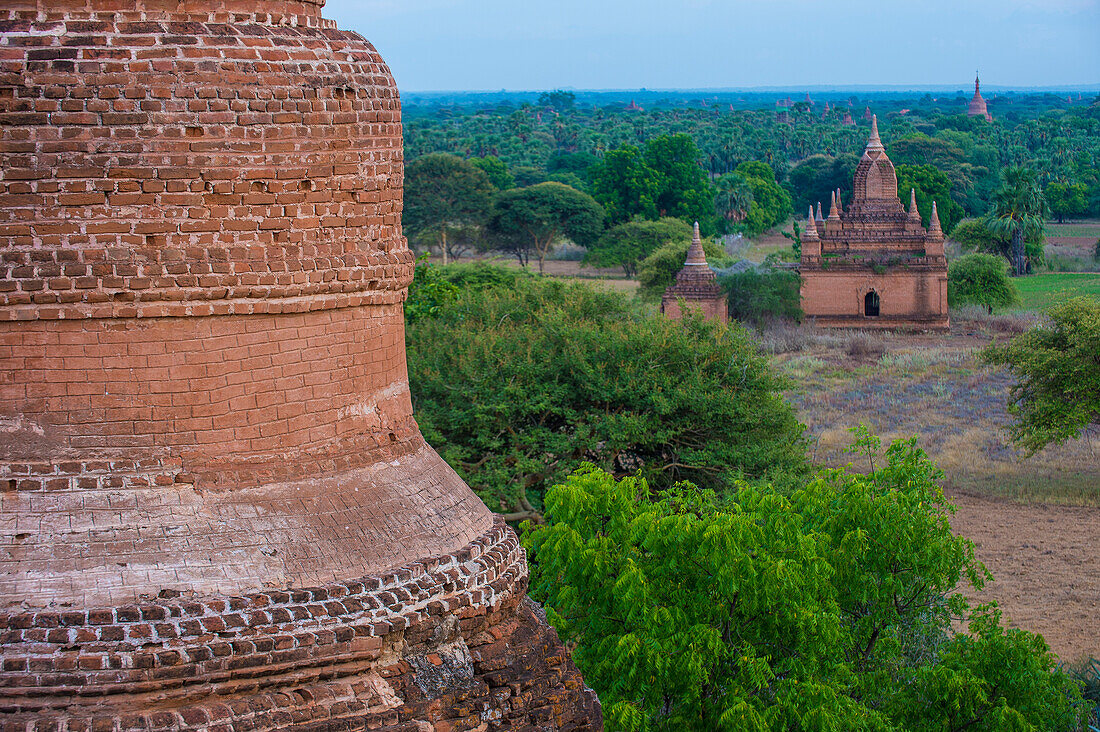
(217, 510)
(874, 264)
(977, 106)
(696, 287)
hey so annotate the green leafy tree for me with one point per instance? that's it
(559, 100)
(516, 386)
(536, 217)
(758, 297)
(931, 184)
(1018, 211)
(497, 172)
(657, 271)
(429, 292)
(771, 204)
(828, 608)
(980, 279)
(625, 185)
(1066, 199)
(975, 235)
(812, 180)
(447, 201)
(627, 244)
(683, 188)
(1057, 364)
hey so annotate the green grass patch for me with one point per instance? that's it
(1083, 231)
(1043, 290)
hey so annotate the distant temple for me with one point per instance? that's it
(874, 264)
(633, 107)
(696, 287)
(977, 107)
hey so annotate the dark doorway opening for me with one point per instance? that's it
(870, 304)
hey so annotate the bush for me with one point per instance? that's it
(657, 271)
(758, 297)
(517, 386)
(980, 279)
(830, 608)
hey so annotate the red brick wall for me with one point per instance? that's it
(908, 297)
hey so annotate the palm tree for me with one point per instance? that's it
(1019, 211)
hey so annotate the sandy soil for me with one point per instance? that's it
(1045, 562)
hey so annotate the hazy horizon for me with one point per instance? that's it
(454, 46)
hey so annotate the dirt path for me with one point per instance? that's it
(1045, 562)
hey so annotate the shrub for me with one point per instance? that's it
(517, 386)
(829, 608)
(980, 279)
(862, 345)
(760, 296)
(657, 271)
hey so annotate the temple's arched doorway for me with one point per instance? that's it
(870, 304)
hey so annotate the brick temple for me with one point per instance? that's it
(873, 264)
(696, 287)
(217, 510)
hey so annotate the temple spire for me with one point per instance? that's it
(810, 234)
(819, 217)
(695, 254)
(934, 222)
(914, 215)
(875, 143)
(834, 209)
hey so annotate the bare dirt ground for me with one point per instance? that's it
(1045, 561)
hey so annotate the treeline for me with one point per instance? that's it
(631, 161)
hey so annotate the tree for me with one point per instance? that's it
(559, 100)
(446, 202)
(980, 279)
(683, 189)
(516, 386)
(625, 185)
(627, 244)
(1066, 199)
(497, 172)
(1018, 211)
(760, 296)
(931, 185)
(657, 271)
(771, 205)
(826, 608)
(732, 198)
(975, 235)
(536, 217)
(812, 180)
(1057, 366)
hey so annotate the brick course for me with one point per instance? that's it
(205, 421)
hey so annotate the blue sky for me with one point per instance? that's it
(627, 44)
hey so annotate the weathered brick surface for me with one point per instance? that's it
(205, 421)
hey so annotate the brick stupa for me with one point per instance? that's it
(977, 106)
(874, 264)
(217, 510)
(696, 287)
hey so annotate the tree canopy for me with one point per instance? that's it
(536, 217)
(931, 184)
(826, 608)
(627, 244)
(447, 201)
(1057, 364)
(980, 279)
(517, 386)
